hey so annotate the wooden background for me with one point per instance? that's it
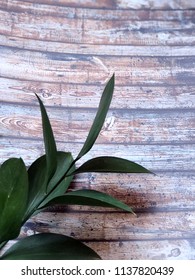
(65, 51)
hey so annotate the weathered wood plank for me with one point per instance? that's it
(165, 4)
(116, 226)
(101, 50)
(105, 25)
(108, 32)
(182, 249)
(110, 50)
(96, 13)
(167, 191)
(63, 68)
(119, 4)
(121, 126)
(164, 45)
(176, 249)
(157, 158)
(88, 95)
(135, 32)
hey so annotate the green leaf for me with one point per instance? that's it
(50, 145)
(43, 169)
(111, 164)
(37, 173)
(38, 196)
(90, 198)
(99, 119)
(49, 246)
(13, 197)
(59, 184)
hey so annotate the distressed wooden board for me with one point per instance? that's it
(121, 126)
(96, 13)
(119, 4)
(145, 32)
(116, 226)
(88, 95)
(157, 158)
(181, 249)
(176, 249)
(171, 45)
(67, 60)
(167, 191)
(37, 66)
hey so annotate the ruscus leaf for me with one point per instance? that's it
(59, 184)
(37, 173)
(111, 164)
(99, 118)
(49, 246)
(38, 196)
(50, 145)
(89, 198)
(13, 197)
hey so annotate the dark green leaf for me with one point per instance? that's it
(111, 164)
(43, 169)
(49, 246)
(50, 145)
(37, 185)
(13, 197)
(2, 244)
(38, 196)
(64, 161)
(59, 184)
(99, 119)
(90, 198)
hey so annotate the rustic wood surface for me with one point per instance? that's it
(65, 51)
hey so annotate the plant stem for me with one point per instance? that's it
(30, 214)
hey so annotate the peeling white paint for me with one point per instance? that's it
(109, 122)
(100, 63)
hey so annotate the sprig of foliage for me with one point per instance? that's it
(24, 193)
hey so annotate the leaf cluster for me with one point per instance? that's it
(25, 192)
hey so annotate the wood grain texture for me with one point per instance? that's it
(116, 4)
(88, 95)
(155, 157)
(120, 127)
(176, 249)
(180, 249)
(65, 51)
(100, 226)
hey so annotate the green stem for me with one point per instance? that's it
(28, 215)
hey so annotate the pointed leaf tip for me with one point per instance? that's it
(110, 164)
(99, 118)
(89, 198)
(49, 141)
